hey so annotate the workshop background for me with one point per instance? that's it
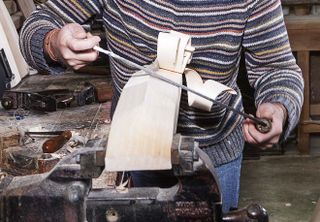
(285, 180)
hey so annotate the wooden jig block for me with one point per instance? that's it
(146, 115)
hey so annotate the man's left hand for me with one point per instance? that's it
(277, 114)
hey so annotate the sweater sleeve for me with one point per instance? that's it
(50, 15)
(271, 66)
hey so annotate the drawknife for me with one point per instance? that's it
(262, 125)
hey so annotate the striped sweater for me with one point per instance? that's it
(220, 30)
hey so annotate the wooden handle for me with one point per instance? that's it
(55, 143)
(266, 128)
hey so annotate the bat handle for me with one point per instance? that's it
(55, 143)
(264, 128)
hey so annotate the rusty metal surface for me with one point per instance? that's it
(46, 162)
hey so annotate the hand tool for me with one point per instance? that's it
(50, 133)
(263, 125)
(55, 143)
(48, 100)
(31, 134)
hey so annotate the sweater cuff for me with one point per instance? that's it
(37, 50)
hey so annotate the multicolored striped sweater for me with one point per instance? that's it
(221, 30)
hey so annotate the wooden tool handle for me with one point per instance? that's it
(266, 128)
(55, 143)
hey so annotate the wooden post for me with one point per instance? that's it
(26, 6)
(9, 38)
(303, 137)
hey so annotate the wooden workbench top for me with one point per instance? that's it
(87, 122)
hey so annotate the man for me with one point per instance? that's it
(52, 38)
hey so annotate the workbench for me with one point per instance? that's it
(87, 122)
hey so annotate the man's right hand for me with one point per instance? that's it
(72, 46)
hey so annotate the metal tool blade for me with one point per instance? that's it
(53, 133)
(261, 122)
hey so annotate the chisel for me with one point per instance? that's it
(54, 143)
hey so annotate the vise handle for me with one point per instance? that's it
(55, 143)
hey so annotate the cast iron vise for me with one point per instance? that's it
(66, 194)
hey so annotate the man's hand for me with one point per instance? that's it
(277, 114)
(72, 45)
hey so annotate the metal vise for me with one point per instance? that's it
(66, 194)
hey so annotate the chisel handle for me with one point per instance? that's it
(264, 128)
(55, 143)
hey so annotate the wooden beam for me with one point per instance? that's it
(26, 6)
(17, 19)
(303, 136)
(311, 127)
(297, 25)
(18, 65)
(315, 109)
(11, 6)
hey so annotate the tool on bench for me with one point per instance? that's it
(53, 144)
(263, 125)
(53, 133)
(14, 99)
(49, 100)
